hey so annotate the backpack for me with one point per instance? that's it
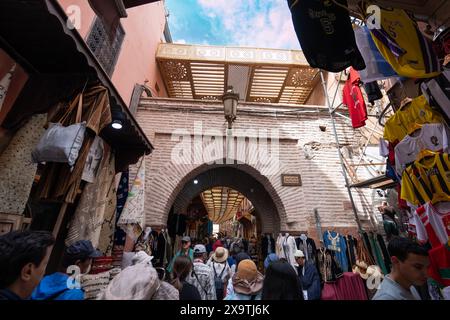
(218, 283)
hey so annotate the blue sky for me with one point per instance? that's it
(249, 23)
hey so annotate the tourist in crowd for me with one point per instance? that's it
(217, 244)
(185, 251)
(238, 258)
(58, 286)
(182, 268)
(269, 259)
(409, 268)
(23, 260)
(139, 282)
(202, 276)
(309, 277)
(221, 270)
(209, 245)
(247, 282)
(281, 282)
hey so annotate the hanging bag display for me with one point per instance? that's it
(60, 143)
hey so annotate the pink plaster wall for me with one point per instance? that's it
(144, 28)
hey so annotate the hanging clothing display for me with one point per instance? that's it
(439, 269)
(402, 44)
(349, 287)
(325, 34)
(60, 182)
(384, 251)
(5, 83)
(373, 91)
(432, 136)
(377, 252)
(351, 250)
(427, 180)
(289, 247)
(377, 68)
(336, 242)
(177, 224)
(329, 268)
(132, 219)
(279, 246)
(308, 246)
(16, 168)
(364, 250)
(435, 220)
(409, 118)
(354, 100)
(267, 245)
(94, 215)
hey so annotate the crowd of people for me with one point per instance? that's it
(193, 273)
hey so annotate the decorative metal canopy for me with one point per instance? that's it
(258, 75)
(222, 203)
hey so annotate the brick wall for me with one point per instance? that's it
(303, 149)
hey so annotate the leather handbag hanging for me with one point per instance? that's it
(60, 143)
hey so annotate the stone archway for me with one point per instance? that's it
(233, 177)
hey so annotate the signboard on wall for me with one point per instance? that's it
(291, 180)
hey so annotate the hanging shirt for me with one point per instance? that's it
(427, 180)
(384, 148)
(437, 93)
(435, 222)
(433, 136)
(377, 68)
(410, 118)
(373, 91)
(402, 44)
(439, 269)
(336, 242)
(353, 98)
(325, 34)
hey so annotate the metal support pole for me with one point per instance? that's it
(330, 108)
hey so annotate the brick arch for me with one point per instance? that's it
(164, 185)
(238, 179)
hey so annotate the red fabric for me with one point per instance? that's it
(217, 244)
(439, 260)
(349, 287)
(353, 98)
(432, 237)
(101, 264)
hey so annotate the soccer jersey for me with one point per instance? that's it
(402, 44)
(427, 180)
(433, 136)
(325, 33)
(439, 269)
(436, 223)
(410, 118)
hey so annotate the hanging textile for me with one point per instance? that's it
(434, 223)
(93, 217)
(402, 44)
(384, 251)
(336, 242)
(377, 68)
(122, 195)
(353, 98)
(437, 93)
(60, 182)
(377, 252)
(351, 247)
(17, 171)
(132, 219)
(308, 246)
(373, 92)
(364, 251)
(410, 117)
(328, 266)
(325, 34)
(93, 160)
(5, 83)
(427, 180)
(439, 269)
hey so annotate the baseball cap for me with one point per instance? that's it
(199, 248)
(186, 239)
(83, 249)
(299, 254)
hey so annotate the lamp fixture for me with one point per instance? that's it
(230, 101)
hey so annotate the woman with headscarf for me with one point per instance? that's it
(281, 282)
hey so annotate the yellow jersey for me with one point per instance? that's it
(405, 48)
(427, 180)
(410, 118)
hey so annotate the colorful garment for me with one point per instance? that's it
(439, 269)
(336, 242)
(353, 98)
(402, 44)
(436, 224)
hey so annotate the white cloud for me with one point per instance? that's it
(180, 41)
(267, 26)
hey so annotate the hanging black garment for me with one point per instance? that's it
(351, 258)
(325, 33)
(368, 246)
(265, 245)
(122, 195)
(386, 257)
(373, 91)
